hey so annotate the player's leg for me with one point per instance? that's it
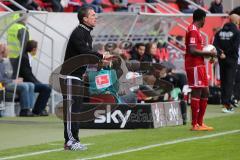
(195, 104)
(202, 109)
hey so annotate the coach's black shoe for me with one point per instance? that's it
(43, 113)
(74, 146)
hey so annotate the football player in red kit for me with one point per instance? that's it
(196, 71)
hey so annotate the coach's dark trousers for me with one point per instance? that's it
(237, 84)
(72, 102)
(227, 74)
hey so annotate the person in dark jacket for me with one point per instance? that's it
(235, 11)
(25, 72)
(138, 53)
(28, 4)
(216, 6)
(227, 42)
(236, 94)
(78, 48)
(56, 5)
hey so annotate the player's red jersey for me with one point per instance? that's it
(194, 65)
(193, 37)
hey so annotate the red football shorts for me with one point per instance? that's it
(197, 76)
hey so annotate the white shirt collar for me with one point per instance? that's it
(30, 59)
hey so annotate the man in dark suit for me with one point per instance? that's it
(25, 72)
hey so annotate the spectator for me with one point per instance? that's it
(125, 47)
(120, 5)
(227, 42)
(199, 2)
(95, 4)
(24, 89)
(138, 52)
(151, 1)
(99, 48)
(236, 11)
(29, 4)
(184, 6)
(26, 72)
(151, 52)
(56, 5)
(168, 1)
(216, 6)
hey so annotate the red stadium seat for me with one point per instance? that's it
(7, 3)
(72, 6)
(161, 9)
(136, 1)
(44, 5)
(174, 5)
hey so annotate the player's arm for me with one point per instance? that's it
(193, 41)
(193, 50)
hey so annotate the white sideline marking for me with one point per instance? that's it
(54, 144)
(58, 144)
(35, 153)
(31, 154)
(160, 144)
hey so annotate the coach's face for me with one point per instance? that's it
(91, 19)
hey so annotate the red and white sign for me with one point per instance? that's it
(102, 81)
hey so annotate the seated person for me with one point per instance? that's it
(44, 90)
(24, 89)
(120, 5)
(146, 85)
(56, 5)
(138, 53)
(216, 6)
(28, 4)
(161, 85)
(151, 52)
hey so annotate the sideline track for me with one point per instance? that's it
(161, 144)
(34, 153)
(124, 151)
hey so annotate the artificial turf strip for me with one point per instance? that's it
(217, 148)
(137, 138)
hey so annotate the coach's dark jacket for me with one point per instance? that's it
(80, 42)
(228, 40)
